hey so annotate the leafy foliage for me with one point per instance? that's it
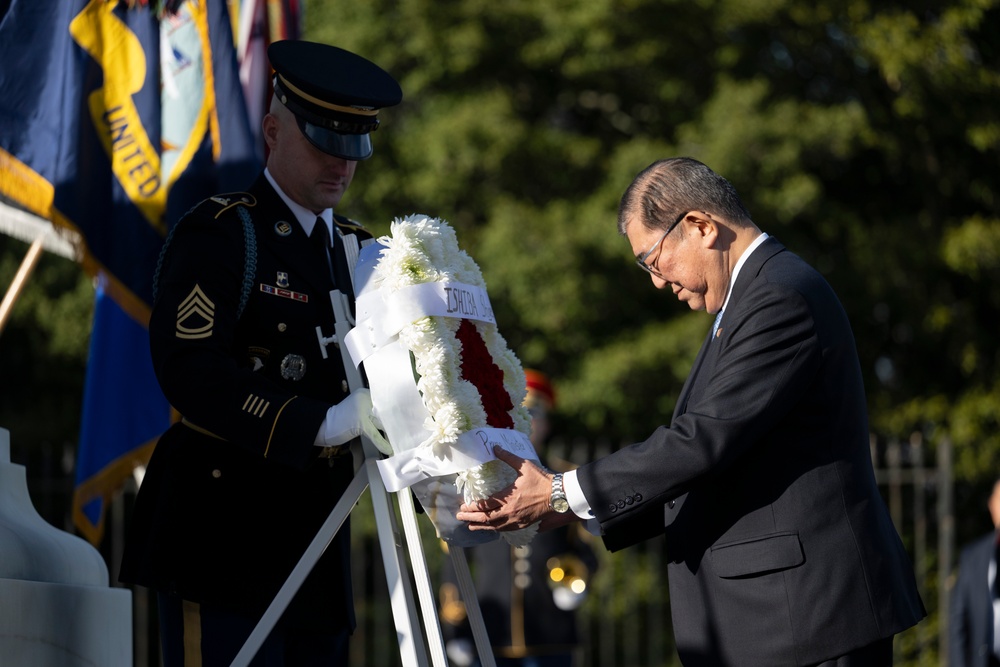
(43, 349)
(862, 135)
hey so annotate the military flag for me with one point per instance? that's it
(115, 119)
(257, 23)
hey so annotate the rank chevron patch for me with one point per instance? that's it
(195, 316)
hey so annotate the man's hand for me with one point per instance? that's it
(521, 504)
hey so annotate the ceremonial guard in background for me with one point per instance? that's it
(237, 489)
(528, 595)
(974, 614)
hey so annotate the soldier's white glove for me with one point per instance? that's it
(351, 418)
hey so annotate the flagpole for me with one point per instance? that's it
(20, 280)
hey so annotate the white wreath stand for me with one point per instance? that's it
(414, 647)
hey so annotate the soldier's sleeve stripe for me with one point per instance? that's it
(274, 425)
(195, 316)
(198, 296)
(195, 309)
(256, 405)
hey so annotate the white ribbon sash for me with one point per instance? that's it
(380, 318)
(472, 449)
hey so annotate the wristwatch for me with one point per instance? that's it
(557, 500)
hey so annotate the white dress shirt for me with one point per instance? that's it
(306, 218)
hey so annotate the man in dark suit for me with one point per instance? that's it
(237, 489)
(975, 601)
(781, 550)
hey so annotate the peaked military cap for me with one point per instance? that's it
(334, 94)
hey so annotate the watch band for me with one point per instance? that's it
(558, 501)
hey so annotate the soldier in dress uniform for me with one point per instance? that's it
(237, 489)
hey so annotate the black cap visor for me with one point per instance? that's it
(331, 142)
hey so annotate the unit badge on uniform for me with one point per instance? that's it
(282, 279)
(282, 228)
(258, 355)
(195, 316)
(293, 367)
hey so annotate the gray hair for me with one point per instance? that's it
(667, 188)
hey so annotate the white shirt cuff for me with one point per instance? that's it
(574, 494)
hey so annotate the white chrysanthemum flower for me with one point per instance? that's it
(420, 250)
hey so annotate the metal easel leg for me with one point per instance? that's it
(404, 610)
(475, 614)
(422, 580)
(302, 569)
(413, 649)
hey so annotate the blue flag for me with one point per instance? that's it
(114, 121)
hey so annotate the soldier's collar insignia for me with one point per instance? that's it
(282, 228)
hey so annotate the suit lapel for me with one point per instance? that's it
(705, 362)
(768, 249)
(682, 400)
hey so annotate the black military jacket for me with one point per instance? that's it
(236, 491)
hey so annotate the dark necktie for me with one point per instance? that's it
(320, 238)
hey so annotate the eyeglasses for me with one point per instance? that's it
(641, 259)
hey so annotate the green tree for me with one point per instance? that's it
(861, 134)
(43, 350)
